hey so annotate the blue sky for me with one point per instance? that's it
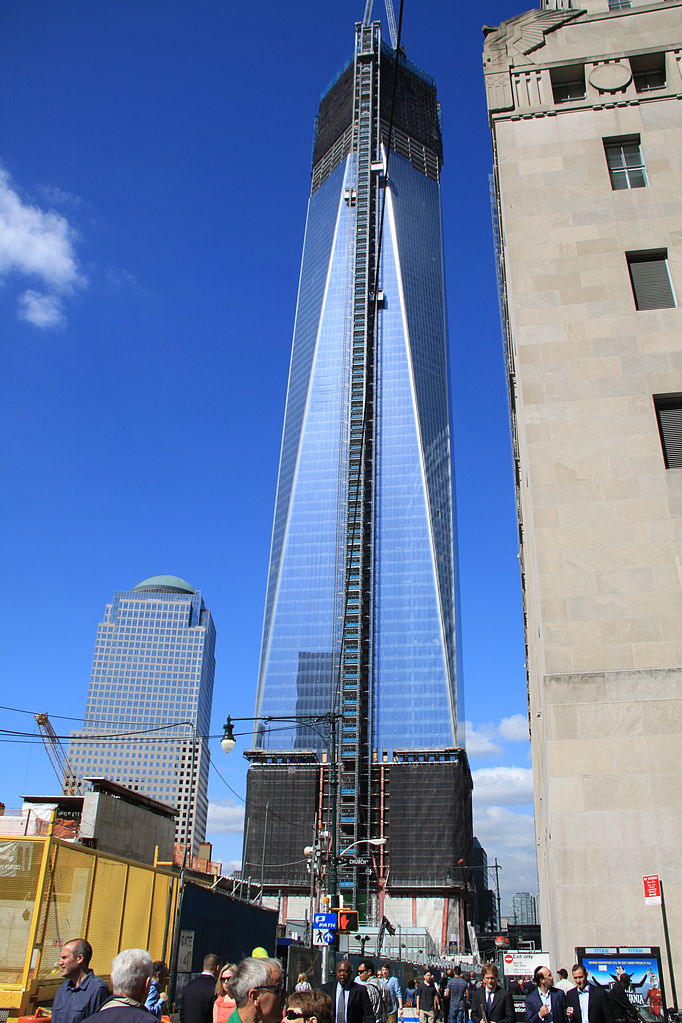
(154, 177)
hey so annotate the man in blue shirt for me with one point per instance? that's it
(82, 992)
(456, 993)
(395, 992)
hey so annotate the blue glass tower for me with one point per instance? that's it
(152, 682)
(360, 615)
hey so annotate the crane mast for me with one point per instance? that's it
(390, 18)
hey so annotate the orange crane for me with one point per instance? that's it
(70, 782)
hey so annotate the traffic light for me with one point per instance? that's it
(348, 921)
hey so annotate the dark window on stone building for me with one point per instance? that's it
(669, 415)
(625, 162)
(568, 83)
(650, 278)
(648, 71)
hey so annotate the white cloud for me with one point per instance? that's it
(479, 741)
(514, 728)
(504, 829)
(56, 196)
(117, 277)
(508, 837)
(502, 786)
(40, 310)
(225, 818)
(38, 244)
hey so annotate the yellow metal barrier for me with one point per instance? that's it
(52, 890)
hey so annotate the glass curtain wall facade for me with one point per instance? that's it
(363, 525)
(361, 613)
(152, 682)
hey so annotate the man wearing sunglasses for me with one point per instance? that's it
(257, 987)
(350, 1001)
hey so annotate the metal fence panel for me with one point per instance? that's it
(19, 874)
(138, 907)
(162, 917)
(66, 895)
(106, 913)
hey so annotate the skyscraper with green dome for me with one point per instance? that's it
(151, 689)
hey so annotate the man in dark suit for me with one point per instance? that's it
(199, 995)
(350, 1001)
(545, 1003)
(586, 1003)
(492, 1003)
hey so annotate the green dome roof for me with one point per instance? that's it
(165, 584)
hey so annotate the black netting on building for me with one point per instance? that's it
(430, 822)
(336, 113)
(416, 108)
(281, 801)
(415, 112)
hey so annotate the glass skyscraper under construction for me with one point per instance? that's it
(360, 616)
(152, 685)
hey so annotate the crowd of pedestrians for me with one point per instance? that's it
(579, 1001)
(253, 992)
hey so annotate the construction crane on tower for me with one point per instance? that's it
(70, 782)
(390, 18)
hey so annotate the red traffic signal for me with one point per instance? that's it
(348, 921)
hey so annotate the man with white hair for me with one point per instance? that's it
(131, 974)
(257, 987)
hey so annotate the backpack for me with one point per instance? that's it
(380, 997)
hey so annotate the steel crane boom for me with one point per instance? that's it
(390, 18)
(71, 784)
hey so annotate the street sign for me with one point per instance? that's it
(652, 889)
(523, 964)
(323, 937)
(357, 861)
(325, 921)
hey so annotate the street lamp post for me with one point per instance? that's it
(331, 718)
(361, 841)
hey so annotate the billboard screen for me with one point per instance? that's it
(642, 965)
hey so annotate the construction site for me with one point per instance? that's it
(100, 861)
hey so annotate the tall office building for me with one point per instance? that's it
(484, 902)
(523, 909)
(586, 120)
(360, 616)
(152, 682)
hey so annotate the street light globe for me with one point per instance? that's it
(228, 741)
(377, 841)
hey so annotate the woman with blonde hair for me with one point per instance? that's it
(224, 1004)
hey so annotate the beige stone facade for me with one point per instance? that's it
(600, 514)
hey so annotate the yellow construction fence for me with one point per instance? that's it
(52, 890)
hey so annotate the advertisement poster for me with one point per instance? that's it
(643, 966)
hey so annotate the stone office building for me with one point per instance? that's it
(586, 121)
